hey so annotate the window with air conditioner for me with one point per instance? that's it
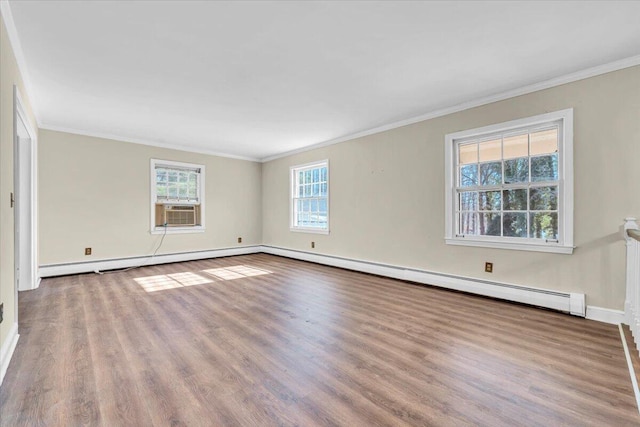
(510, 185)
(177, 197)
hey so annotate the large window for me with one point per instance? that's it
(310, 197)
(177, 197)
(510, 185)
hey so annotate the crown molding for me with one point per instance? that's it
(546, 84)
(14, 40)
(145, 142)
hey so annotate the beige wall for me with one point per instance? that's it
(387, 193)
(9, 76)
(94, 193)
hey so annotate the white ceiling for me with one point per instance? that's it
(256, 79)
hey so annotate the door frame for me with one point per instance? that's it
(31, 249)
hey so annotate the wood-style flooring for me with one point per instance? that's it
(260, 340)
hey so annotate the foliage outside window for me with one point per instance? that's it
(310, 197)
(177, 185)
(508, 186)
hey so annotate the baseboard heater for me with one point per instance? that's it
(573, 303)
(52, 270)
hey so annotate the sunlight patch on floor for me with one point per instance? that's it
(171, 281)
(236, 272)
(180, 280)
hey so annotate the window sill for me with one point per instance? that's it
(568, 250)
(309, 230)
(177, 230)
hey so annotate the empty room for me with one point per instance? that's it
(319, 213)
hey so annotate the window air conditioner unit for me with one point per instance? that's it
(179, 216)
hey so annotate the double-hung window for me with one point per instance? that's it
(310, 197)
(177, 197)
(510, 185)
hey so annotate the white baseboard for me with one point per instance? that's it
(605, 315)
(7, 349)
(564, 301)
(114, 264)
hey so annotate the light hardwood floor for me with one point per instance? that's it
(260, 340)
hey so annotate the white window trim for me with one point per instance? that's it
(152, 208)
(565, 203)
(292, 184)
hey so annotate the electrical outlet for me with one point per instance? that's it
(488, 267)
(87, 251)
(1, 312)
(239, 239)
(313, 245)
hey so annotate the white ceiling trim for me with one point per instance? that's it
(14, 40)
(145, 142)
(557, 81)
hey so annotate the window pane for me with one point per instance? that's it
(172, 192)
(300, 178)
(183, 176)
(491, 150)
(316, 190)
(515, 200)
(544, 142)
(316, 175)
(323, 205)
(490, 200)
(491, 173)
(182, 190)
(313, 205)
(544, 168)
(516, 170)
(468, 154)
(516, 146)
(489, 224)
(544, 198)
(468, 201)
(323, 174)
(173, 176)
(322, 218)
(468, 223)
(515, 224)
(161, 191)
(161, 175)
(543, 225)
(193, 191)
(468, 175)
(323, 189)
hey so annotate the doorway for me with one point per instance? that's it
(25, 201)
